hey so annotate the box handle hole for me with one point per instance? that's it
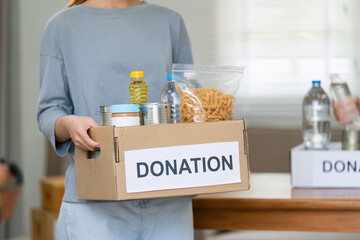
(94, 154)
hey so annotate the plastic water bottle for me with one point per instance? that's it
(316, 118)
(340, 93)
(170, 95)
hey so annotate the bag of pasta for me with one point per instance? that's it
(207, 92)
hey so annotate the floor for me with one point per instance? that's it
(262, 235)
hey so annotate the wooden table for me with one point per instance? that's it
(272, 204)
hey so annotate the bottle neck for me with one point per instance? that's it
(336, 79)
(137, 79)
(316, 85)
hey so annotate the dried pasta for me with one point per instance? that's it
(205, 105)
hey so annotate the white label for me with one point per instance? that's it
(182, 166)
(336, 172)
(325, 168)
(125, 121)
(317, 112)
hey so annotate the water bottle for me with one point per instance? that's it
(316, 118)
(340, 93)
(170, 95)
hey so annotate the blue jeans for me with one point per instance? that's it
(159, 218)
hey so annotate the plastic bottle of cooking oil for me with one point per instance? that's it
(138, 88)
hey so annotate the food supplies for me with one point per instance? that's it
(163, 160)
(124, 115)
(155, 113)
(138, 88)
(207, 92)
(213, 105)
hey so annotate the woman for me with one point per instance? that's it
(87, 53)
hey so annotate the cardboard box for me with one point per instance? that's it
(333, 168)
(52, 192)
(43, 224)
(164, 160)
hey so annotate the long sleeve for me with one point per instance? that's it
(54, 100)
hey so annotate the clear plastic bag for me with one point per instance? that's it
(207, 92)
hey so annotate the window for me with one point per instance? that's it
(284, 44)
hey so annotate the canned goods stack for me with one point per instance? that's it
(105, 116)
(350, 139)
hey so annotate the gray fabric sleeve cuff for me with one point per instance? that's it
(61, 148)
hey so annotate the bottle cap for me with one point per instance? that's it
(137, 74)
(316, 81)
(125, 108)
(335, 78)
(169, 77)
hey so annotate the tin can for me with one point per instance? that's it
(124, 115)
(350, 139)
(155, 113)
(105, 116)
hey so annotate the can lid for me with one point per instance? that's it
(137, 74)
(144, 107)
(105, 109)
(125, 108)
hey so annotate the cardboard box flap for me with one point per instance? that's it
(164, 135)
(97, 175)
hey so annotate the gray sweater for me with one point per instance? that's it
(87, 55)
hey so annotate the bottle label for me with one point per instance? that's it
(317, 112)
(125, 121)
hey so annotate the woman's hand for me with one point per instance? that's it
(76, 127)
(343, 111)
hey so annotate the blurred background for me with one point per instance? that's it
(283, 45)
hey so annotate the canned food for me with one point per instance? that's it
(124, 115)
(155, 113)
(350, 140)
(105, 116)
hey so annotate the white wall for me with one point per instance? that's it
(27, 144)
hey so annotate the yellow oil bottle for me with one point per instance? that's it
(138, 88)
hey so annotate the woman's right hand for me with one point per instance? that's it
(343, 111)
(76, 128)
